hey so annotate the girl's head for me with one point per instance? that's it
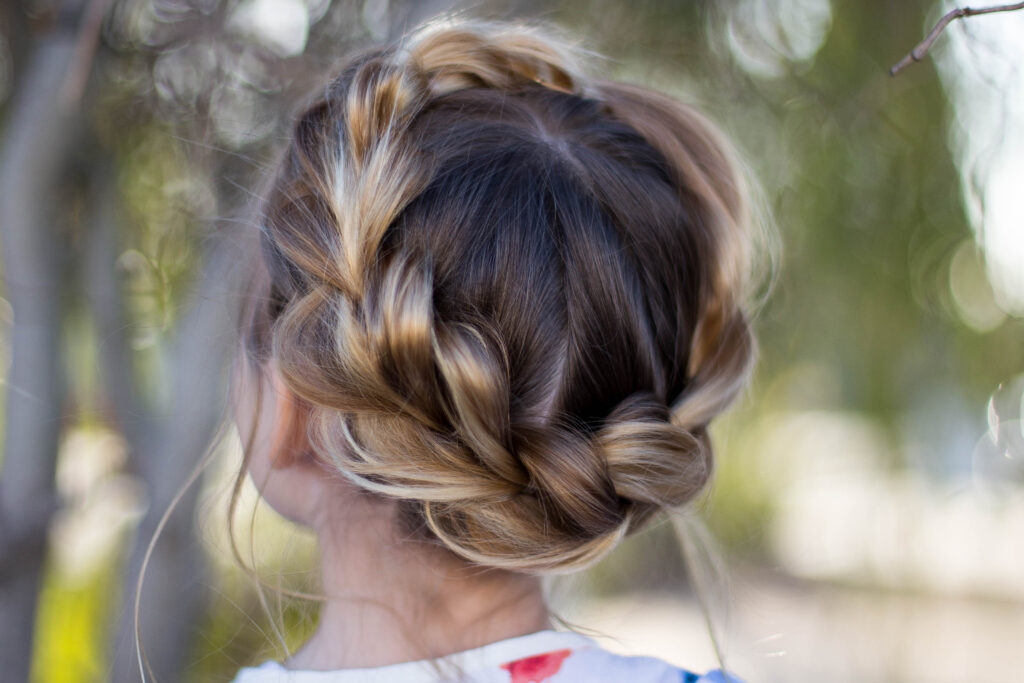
(503, 294)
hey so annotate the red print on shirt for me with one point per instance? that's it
(536, 669)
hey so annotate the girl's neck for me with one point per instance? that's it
(392, 601)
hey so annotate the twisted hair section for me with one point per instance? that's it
(511, 294)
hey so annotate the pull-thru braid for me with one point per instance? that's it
(511, 294)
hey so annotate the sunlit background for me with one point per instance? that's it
(868, 508)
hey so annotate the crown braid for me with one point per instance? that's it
(437, 377)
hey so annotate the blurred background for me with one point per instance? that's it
(869, 500)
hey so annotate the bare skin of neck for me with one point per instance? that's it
(393, 599)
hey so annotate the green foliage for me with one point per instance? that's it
(71, 626)
(241, 633)
(740, 502)
(649, 560)
(166, 207)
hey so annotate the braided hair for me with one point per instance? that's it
(510, 294)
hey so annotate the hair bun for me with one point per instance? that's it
(511, 296)
(651, 461)
(583, 491)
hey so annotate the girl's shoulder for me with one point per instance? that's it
(543, 657)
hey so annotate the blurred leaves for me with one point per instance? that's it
(883, 319)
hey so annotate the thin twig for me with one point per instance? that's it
(918, 53)
(85, 49)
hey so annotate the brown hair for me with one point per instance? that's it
(511, 295)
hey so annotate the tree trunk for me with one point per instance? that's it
(39, 139)
(170, 609)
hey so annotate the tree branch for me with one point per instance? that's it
(38, 140)
(85, 49)
(919, 52)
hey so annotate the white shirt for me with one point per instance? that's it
(543, 657)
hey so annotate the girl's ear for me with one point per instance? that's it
(272, 423)
(291, 436)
